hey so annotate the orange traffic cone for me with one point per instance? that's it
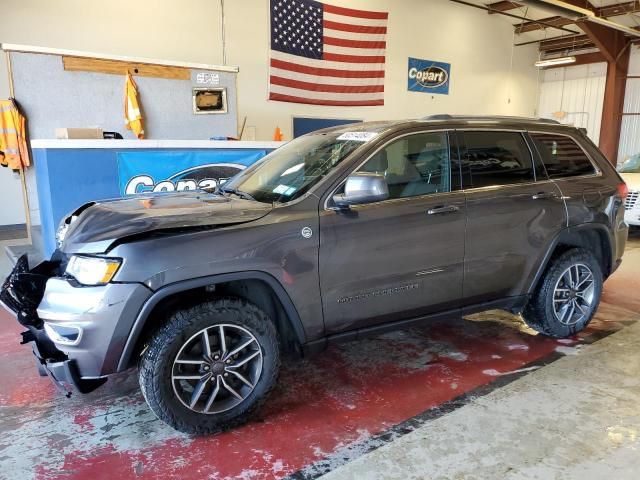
(277, 135)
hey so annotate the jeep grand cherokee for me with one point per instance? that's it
(337, 234)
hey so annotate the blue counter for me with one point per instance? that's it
(70, 173)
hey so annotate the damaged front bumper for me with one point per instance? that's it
(21, 294)
(62, 371)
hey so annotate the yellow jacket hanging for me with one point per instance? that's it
(132, 115)
(13, 137)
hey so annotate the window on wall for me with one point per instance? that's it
(414, 165)
(562, 156)
(496, 158)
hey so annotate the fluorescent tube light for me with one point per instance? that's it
(555, 61)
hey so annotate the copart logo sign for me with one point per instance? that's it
(203, 176)
(145, 171)
(428, 76)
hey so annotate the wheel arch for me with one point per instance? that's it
(592, 237)
(258, 287)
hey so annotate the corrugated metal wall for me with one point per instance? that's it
(630, 133)
(578, 91)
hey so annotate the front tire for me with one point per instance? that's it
(567, 296)
(210, 366)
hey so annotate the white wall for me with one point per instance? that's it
(477, 44)
(629, 138)
(579, 92)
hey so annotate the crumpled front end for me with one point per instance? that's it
(21, 294)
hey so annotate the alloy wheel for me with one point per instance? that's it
(574, 294)
(217, 368)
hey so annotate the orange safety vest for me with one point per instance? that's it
(13, 136)
(132, 114)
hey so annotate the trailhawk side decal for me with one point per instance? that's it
(382, 292)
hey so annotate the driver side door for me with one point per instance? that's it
(401, 257)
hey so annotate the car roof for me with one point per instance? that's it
(449, 121)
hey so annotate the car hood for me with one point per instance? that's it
(95, 226)
(632, 180)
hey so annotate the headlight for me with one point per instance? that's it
(92, 270)
(61, 233)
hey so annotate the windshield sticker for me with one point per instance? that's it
(284, 190)
(358, 136)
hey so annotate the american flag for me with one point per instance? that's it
(326, 55)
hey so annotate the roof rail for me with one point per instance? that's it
(445, 116)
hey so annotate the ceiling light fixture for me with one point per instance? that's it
(550, 62)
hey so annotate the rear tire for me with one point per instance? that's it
(567, 296)
(210, 366)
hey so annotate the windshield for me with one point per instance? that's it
(290, 171)
(631, 166)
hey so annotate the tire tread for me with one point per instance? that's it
(537, 315)
(150, 374)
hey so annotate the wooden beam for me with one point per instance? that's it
(536, 25)
(609, 41)
(613, 106)
(568, 42)
(615, 47)
(616, 10)
(503, 6)
(116, 67)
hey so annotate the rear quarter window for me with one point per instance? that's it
(562, 156)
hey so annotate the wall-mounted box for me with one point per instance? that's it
(209, 100)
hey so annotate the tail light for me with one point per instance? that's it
(623, 191)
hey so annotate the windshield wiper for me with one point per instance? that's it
(237, 192)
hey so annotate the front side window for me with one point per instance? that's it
(562, 156)
(414, 165)
(496, 158)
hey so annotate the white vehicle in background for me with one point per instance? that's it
(630, 172)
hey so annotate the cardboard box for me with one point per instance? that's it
(74, 133)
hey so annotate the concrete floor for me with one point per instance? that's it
(477, 398)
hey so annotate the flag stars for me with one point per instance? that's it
(296, 28)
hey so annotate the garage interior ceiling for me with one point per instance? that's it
(558, 35)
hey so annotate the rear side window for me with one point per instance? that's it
(496, 158)
(562, 156)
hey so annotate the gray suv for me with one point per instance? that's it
(338, 234)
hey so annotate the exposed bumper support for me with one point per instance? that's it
(63, 372)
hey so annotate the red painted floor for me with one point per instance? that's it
(329, 407)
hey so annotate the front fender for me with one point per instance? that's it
(183, 286)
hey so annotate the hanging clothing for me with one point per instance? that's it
(14, 152)
(132, 114)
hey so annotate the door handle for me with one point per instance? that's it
(441, 210)
(542, 195)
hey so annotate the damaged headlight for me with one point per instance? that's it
(92, 270)
(61, 233)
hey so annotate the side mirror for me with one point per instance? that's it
(362, 188)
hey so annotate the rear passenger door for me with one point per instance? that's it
(513, 213)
